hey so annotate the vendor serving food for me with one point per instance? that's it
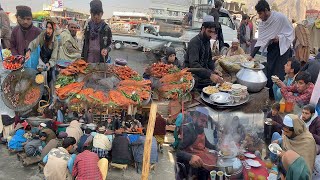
(193, 147)
(199, 57)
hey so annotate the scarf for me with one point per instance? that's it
(311, 120)
(95, 29)
(303, 143)
(276, 25)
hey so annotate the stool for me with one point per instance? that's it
(21, 156)
(119, 166)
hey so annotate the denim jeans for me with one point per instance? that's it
(277, 93)
(275, 136)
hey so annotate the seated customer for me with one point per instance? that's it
(53, 143)
(312, 67)
(109, 124)
(310, 117)
(301, 91)
(120, 149)
(16, 141)
(171, 58)
(34, 147)
(277, 122)
(138, 149)
(74, 130)
(296, 137)
(291, 68)
(101, 143)
(85, 140)
(235, 49)
(59, 161)
(49, 132)
(295, 166)
(86, 166)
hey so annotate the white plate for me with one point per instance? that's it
(249, 155)
(274, 148)
(253, 163)
(220, 97)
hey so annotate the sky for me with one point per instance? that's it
(81, 5)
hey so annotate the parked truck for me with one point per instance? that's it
(147, 38)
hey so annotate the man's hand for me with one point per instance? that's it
(28, 55)
(248, 43)
(48, 66)
(280, 153)
(280, 84)
(218, 72)
(274, 123)
(275, 141)
(104, 52)
(196, 161)
(250, 58)
(276, 39)
(216, 79)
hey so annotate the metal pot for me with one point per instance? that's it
(36, 121)
(231, 167)
(253, 78)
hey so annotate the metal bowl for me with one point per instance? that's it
(221, 98)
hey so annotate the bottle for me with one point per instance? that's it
(282, 105)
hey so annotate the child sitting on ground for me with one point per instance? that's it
(34, 146)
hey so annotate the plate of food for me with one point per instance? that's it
(225, 87)
(249, 155)
(210, 90)
(274, 148)
(253, 163)
(221, 98)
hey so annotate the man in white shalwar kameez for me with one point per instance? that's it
(276, 34)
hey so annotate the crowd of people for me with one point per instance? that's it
(76, 152)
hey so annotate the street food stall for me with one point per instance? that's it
(109, 89)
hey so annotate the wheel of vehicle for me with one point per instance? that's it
(117, 45)
(180, 53)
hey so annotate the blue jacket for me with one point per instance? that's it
(16, 142)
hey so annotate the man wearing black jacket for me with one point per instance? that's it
(199, 57)
(97, 35)
(193, 148)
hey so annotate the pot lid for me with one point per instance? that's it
(251, 64)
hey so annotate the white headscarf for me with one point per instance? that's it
(276, 25)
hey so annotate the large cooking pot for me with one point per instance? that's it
(231, 166)
(253, 78)
(36, 121)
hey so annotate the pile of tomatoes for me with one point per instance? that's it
(13, 62)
